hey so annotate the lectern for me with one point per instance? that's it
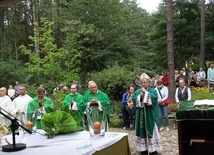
(195, 129)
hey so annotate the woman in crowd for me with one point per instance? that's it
(11, 92)
(162, 92)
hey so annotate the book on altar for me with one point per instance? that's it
(204, 102)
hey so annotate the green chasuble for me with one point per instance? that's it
(87, 91)
(99, 96)
(33, 110)
(78, 98)
(77, 114)
(146, 124)
(102, 98)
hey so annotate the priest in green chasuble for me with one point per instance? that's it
(39, 106)
(95, 96)
(73, 104)
(147, 118)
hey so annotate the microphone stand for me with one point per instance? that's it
(14, 126)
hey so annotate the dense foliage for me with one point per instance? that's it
(51, 42)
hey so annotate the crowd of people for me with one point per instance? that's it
(147, 99)
(144, 104)
(145, 109)
(26, 108)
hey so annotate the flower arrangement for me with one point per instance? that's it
(173, 107)
(201, 89)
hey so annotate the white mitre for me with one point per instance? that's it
(144, 76)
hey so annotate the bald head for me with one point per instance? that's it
(181, 83)
(89, 83)
(93, 88)
(3, 91)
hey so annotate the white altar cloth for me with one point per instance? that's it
(79, 143)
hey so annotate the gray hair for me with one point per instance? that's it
(40, 90)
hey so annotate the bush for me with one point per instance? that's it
(200, 93)
(116, 123)
(113, 80)
(58, 99)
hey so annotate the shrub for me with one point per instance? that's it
(116, 123)
(58, 99)
(113, 80)
(200, 93)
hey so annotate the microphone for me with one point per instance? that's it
(14, 126)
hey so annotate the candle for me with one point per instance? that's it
(29, 125)
(96, 127)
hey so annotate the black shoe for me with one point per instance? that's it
(144, 153)
(153, 153)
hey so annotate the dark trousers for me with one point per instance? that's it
(131, 112)
(125, 117)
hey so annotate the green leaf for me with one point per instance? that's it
(60, 122)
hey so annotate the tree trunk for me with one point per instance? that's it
(36, 31)
(26, 19)
(170, 50)
(36, 19)
(58, 25)
(2, 10)
(202, 52)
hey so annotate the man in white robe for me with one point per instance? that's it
(5, 107)
(20, 105)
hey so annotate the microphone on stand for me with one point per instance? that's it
(14, 126)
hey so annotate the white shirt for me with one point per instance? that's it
(5, 104)
(11, 92)
(182, 91)
(201, 75)
(164, 93)
(21, 104)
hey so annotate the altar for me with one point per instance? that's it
(79, 143)
(195, 129)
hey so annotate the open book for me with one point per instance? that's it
(206, 102)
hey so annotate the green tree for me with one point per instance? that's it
(49, 61)
(209, 40)
(94, 34)
(113, 79)
(107, 30)
(12, 31)
(11, 73)
(186, 23)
